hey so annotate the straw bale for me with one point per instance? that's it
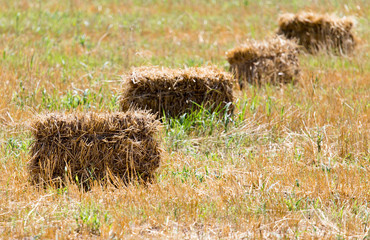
(274, 60)
(174, 92)
(319, 31)
(94, 146)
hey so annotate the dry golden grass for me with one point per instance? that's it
(293, 161)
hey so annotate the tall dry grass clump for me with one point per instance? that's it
(274, 60)
(174, 92)
(319, 31)
(94, 146)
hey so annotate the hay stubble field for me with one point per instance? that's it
(292, 162)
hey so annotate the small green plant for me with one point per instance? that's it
(201, 122)
(90, 218)
(293, 204)
(85, 99)
(16, 146)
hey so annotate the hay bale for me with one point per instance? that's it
(94, 146)
(319, 31)
(270, 61)
(174, 92)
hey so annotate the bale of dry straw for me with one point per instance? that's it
(274, 60)
(319, 31)
(174, 92)
(94, 146)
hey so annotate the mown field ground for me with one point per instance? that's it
(293, 161)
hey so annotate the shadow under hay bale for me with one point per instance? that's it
(84, 147)
(271, 61)
(317, 32)
(174, 92)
